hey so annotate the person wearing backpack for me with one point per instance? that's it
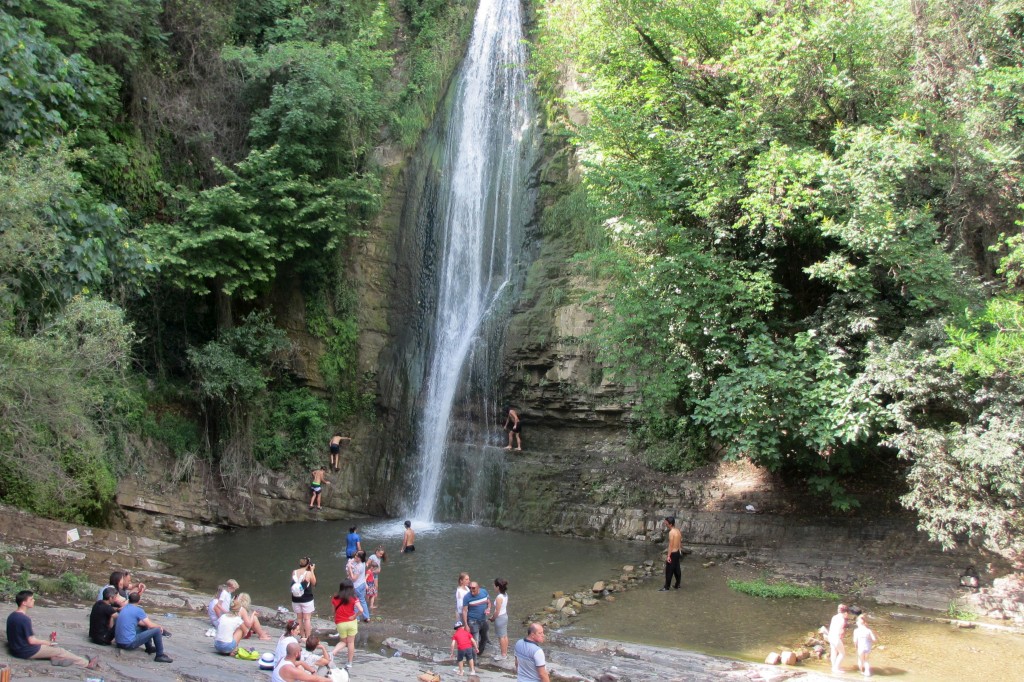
(303, 580)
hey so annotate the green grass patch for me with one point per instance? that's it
(780, 590)
(957, 612)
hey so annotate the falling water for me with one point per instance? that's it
(478, 220)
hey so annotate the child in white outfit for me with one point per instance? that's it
(863, 639)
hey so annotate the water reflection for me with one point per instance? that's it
(705, 615)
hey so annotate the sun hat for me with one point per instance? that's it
(267, 661)
(458, 624)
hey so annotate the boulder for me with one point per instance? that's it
(772, 659)
(598, 587)
(788, 658)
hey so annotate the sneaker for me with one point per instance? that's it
(499, 657)
(150, 648)
(662, 589)
(163, 658)
(347, 666)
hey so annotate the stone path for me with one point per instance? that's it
(574, 659)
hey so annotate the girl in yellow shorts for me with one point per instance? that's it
(347, 611)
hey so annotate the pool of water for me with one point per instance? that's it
(705, 615)
(417, 587)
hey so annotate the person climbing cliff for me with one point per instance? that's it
(514, 428)
(335, 450)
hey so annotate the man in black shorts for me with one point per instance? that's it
(335, 448)
(512, 419)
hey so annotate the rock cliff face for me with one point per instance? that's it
(151, 503)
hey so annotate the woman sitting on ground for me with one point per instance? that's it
(250, 621)
(230, 630)
(121, 596)
(289, 636)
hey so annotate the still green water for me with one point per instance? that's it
(705, 615)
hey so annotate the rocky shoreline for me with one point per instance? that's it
(42, 547)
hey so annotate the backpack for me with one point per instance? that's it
(297, 589)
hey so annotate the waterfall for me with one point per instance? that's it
(477, 217)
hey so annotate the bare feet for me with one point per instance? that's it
(509, 447)
(519, 449)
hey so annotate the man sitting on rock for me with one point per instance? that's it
(23, 644)
(291, 668)
(102, 617)
(134, 629)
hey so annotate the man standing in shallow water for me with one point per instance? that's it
(674, 556)
(408, 538)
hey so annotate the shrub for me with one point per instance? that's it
(780, 590)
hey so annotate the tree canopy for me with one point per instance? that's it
(811, 230)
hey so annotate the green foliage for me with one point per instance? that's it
(790, 200)
(233, 237)
(180, 434)
(965, 479)
(437, 34)
(992, 341)
(780, 590)
(40, 87)
(294, 428)
(11, 585)
(238, 365)
(115, 32)
(575, 217)
(56, 239)
(323, 104)
(64, 397)
(958, 612)
(303, 187)
(67, 584)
